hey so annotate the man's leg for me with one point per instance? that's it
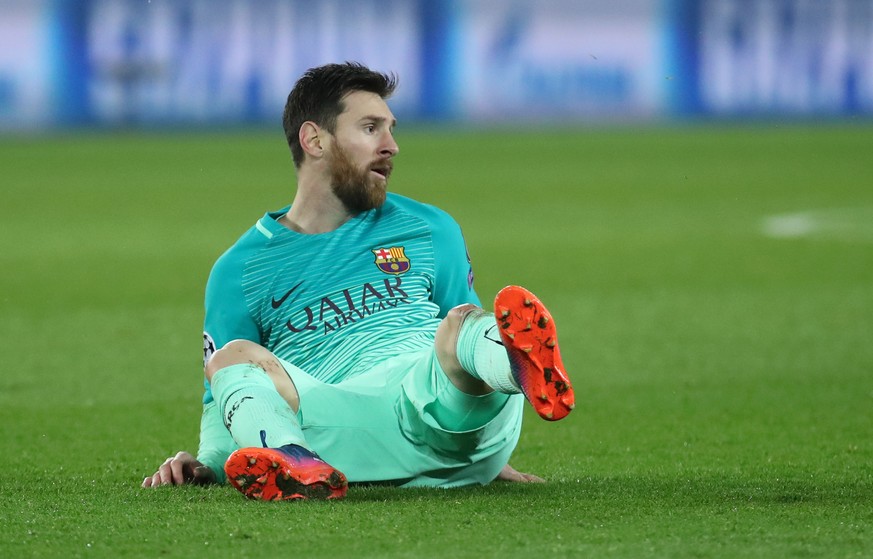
(515, 350)
(257, 401)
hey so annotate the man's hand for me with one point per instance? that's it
(508, 473)
(180, 469)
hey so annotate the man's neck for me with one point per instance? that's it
(315, 214)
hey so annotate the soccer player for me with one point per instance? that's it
(353, 346)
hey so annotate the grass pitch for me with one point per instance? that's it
(713, 288)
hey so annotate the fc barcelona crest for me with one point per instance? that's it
(391, 260)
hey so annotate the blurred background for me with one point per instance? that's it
(689, 184)
(146, 63)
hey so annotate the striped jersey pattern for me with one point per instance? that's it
(337, 303)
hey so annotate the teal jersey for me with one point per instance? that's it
(335, 304)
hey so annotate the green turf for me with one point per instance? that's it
(724, 376)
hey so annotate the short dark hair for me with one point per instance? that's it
(318, 95)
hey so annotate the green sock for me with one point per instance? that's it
(252, 409)
(481, 352)
(464, 412)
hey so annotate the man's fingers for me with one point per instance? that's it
(165, 473)
(177, 471)
(530, 478)
(508, 473)
(203, 475)
(152, 480)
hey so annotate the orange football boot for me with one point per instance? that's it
(531, 340)
(289, 472)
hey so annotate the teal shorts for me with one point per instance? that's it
(406, 424)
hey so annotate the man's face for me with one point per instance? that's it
(361, 154)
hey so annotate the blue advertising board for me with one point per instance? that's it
(765, 57)
(202, 62)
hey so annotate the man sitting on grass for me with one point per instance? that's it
(353, 345)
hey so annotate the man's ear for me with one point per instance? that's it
(311, 137)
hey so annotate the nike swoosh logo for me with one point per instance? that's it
(278, 302)
(488, 335)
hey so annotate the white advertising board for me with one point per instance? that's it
(25, 65)
(803, 56)
(559, 58)
(235, 60)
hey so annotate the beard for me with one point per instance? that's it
(357, 188)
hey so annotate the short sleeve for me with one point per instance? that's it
(227, 316)
(453, 282)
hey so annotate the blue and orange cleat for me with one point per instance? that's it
(531, 340)
(286, 473)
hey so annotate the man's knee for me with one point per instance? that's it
(234, 353)
(449, 329)
(457, 315)
(238, 352)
